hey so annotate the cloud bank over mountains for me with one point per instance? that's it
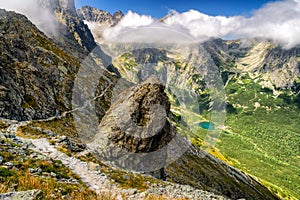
(278, 21)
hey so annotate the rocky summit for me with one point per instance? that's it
(145, 142)
(91, 14)
(98, 20)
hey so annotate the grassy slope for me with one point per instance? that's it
(263, 141)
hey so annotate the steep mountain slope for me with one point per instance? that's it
(71, 33)
(36, 74)
(275, 66)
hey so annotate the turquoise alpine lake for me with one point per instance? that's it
(207, 125)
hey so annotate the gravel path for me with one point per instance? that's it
(95, 180)
(98, 181)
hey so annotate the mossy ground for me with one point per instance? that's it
(124, 179)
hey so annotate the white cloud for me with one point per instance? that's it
(203, 26)
(130, 22)
(135, 20)
(37, 13)
(278, 21)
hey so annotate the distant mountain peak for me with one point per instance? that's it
(98, 20)
(91, 14)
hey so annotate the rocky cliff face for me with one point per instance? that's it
(37, 74)
(276, 67)
(72, 34)
(91, 14)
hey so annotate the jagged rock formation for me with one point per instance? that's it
(147, 106)
(98, 20)
(136, 123)
(71, 33)
(91, 14)
(278, 67)
(117, 16)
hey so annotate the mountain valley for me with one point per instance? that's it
(77, 114)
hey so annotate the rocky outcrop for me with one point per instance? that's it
(138, 123)
(145, 106)
(135, 126)
(117, 16)
(26, 195)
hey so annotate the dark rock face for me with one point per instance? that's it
(72, 34)
(117, 16)
(146, 105)
(36, 75)
(137, 120)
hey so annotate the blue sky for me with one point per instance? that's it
(159, 8)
